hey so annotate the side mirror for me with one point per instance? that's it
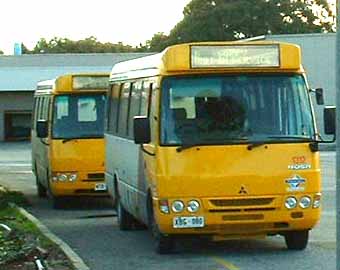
(42, 129)
(141, 129)
(319, 96)
(329, 115)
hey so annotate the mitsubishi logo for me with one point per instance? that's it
(243, 190)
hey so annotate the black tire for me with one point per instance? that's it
(57, 202)
(41, 190)
(297, 240)
(163, 244)
(124, 218)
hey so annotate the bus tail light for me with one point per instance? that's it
(164, 206)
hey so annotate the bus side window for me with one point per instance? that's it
(35, 108)
(145, 98)
(124, 110)
(134, 105)
(45, 108)
(39, 109)
(115, 108)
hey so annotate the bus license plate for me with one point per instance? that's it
(188, 222)
(100, 187)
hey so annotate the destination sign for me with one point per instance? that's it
(235, 56)
(90, 82)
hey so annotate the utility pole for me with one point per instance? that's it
(337, 75)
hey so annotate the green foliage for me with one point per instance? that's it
(158, 42)
(7, 197)
(230, 20)
(87, 45)
(1, 52)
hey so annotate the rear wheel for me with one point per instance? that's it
(125, 219)
(297, 240)
(41, 190)
(57, 202)
(163, 244)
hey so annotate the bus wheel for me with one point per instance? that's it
(163, 244)
(124, 218)
(296, 240)
(57, 202)
(41, 190)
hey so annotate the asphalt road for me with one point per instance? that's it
(90, 228)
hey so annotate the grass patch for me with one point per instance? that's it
(20, 245)
(7, 197)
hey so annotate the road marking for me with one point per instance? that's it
(225, 263)
(15, 164)
(18, 172)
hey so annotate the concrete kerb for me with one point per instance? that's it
(77, 262)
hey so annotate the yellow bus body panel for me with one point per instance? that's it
(215, 175)
(84, 156)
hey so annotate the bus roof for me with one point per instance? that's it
(258, 56)
(79, 82)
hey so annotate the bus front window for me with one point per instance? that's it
(233, 109)
(78, 116)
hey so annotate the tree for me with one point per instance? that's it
(1, 52)
(88, 45)
(229, 19)
(158, 42)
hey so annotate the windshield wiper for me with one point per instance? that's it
(290, 137)
(191, 145)
(82, 137)
(68, 139)
(297, 137)
(254, 145)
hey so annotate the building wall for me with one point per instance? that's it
(318, 58)
(13, 101)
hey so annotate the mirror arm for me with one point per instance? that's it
(146, 151)
(43, 142)
(324, 141)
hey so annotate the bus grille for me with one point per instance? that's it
(243, 217)
(242, 202)
(248, 227)
(94, 177)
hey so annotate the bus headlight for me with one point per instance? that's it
(291, 202)
(305, 202)
(193, 206)
(177, 206)
(62, 177)
(72, 177)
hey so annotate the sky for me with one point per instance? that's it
(129, 21)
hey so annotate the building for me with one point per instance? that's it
(19, 75)
(318, 58)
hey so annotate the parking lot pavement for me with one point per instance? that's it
(90, 229)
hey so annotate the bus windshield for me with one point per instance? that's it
(235, 109)
(78, 116)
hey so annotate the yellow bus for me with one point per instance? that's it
(68, 136)
(214, 139)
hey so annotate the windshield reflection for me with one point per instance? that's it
(78, 116)
(235, 109)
